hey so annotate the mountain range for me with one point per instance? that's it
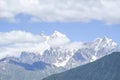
(56, 56)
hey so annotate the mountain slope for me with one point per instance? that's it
(13, 69)
(107, 68)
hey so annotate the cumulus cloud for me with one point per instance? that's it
(14, 42)
(62, 10)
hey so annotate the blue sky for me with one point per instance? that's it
(80, 20)
(76, 31)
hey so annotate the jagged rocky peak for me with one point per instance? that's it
(104, 39)
(107, 39)
(104, 42)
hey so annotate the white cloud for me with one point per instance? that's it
(62, 10)
(14, 42)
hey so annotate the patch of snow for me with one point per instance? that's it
(93, 58)
(62, 64)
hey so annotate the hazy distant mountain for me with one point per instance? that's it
(106, 68)
(13, 69)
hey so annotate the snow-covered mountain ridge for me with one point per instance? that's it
(58, 50)
(45, 55)
(64, 56)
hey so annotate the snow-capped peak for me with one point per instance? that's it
(58, 34)
(106, 39)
